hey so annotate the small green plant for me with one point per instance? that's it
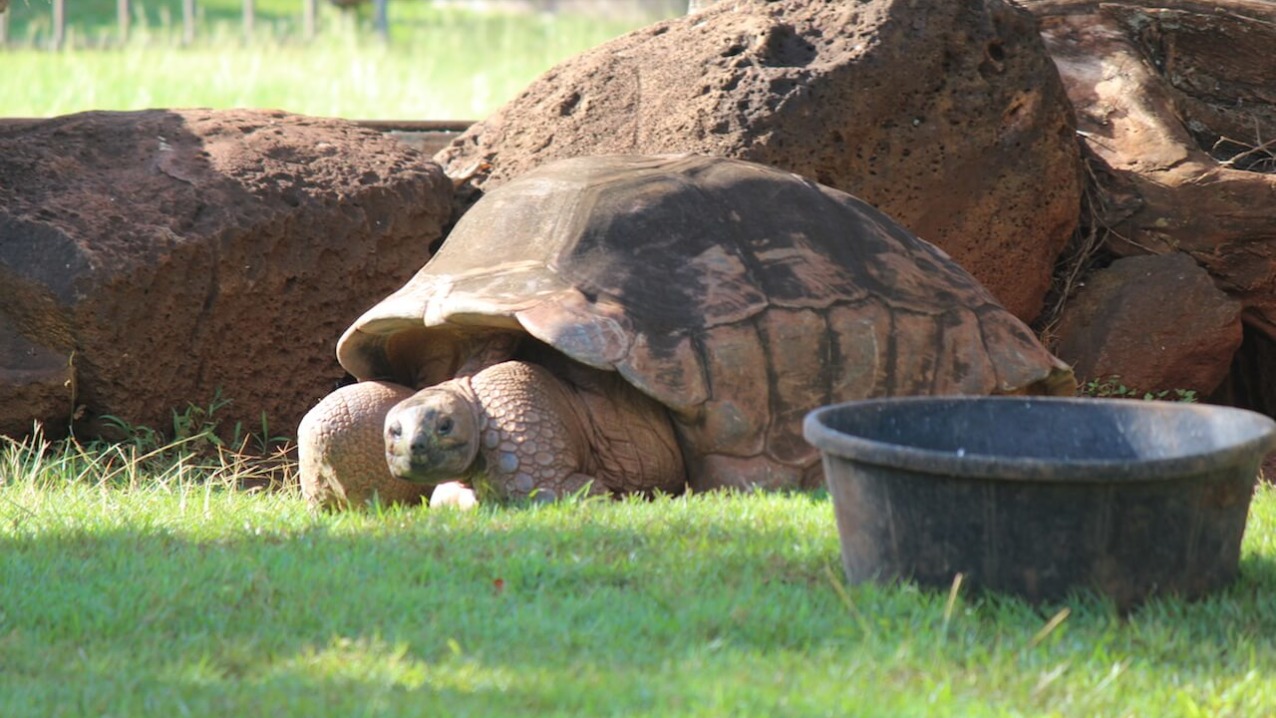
(1112, 387)
(196, 446)
(199, 428)
(200, 421)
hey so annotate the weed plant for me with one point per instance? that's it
(1112, 387)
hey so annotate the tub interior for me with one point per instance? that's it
(1049, 430)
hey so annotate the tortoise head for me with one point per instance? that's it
(433, 436)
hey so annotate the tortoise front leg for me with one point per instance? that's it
(532, 439)
(341, 453)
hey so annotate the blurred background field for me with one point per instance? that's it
(439, 61)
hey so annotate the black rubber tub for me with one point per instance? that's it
(1041, 496)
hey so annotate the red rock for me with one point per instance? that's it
(948, 116)
(1174, 100)
(1156, 322)
(148, 259)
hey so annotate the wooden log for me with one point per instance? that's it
(1174, 102)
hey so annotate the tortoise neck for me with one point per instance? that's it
(489, 349)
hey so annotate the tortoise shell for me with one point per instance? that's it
(737, 295)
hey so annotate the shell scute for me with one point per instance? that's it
(859, 336)
(797, 346)
(737, 412)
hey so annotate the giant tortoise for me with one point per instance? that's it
(631, 324)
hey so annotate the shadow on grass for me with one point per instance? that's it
(458, 605)
(653, 608)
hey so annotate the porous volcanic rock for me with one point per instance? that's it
(1157, 322)
(948, 116)
(148, 259)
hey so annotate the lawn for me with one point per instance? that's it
(441, 63)
(159, 589)
(145, 581)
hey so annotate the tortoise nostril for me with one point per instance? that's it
(419, 445)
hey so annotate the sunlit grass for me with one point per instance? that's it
(165, 590)
(444, 64)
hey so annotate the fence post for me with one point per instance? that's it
(59, 23)
(310, 9)
(122, 17)
(188, 21)
(249, 12)
(381, 20)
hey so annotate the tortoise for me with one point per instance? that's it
(617, 324)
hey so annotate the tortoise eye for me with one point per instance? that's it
(445, 426)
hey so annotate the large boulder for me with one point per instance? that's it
(150, 259)
(1157, 322)
(1176, 103)
(949, 116)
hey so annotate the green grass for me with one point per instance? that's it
(440, 63)
(152, 587)
(139, 580)
(94, 21)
